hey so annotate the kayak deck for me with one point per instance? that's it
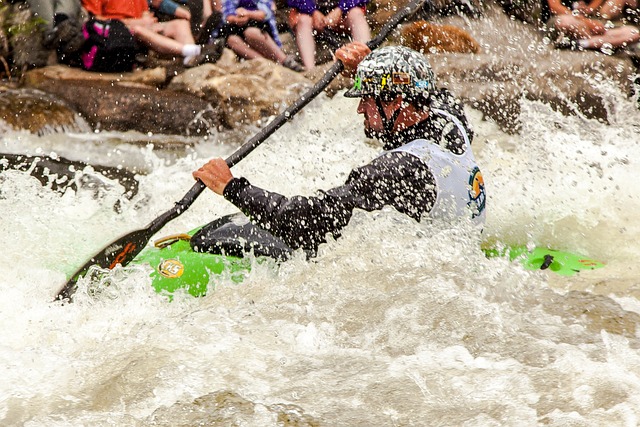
(189, 261)
(560, 262)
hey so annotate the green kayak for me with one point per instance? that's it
(188, 261)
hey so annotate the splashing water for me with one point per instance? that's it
(396, 323)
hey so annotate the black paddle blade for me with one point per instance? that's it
(121, 251)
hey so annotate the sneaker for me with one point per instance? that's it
(291, 63)
(608, 49)
(74, 43)
(566, 43)
(209, 54)
(633, 49)
(62, 34)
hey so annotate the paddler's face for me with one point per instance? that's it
(372, 120)
(374, 123)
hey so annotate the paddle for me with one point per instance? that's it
(123, 250)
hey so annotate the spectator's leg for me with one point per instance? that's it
(242, 49)
(156, 41)
(177, 29)
(356, 22)
(305, 41)
(616, 37)
(612, 9)
(575, 28)
(262, 43)
(207, 9)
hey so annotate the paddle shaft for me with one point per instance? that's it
(288, 114)
(281, 119)
(123, 250)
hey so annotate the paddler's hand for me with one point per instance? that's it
(215, 174)
(350, 55)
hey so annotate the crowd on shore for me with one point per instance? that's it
(194, 32)
(605, 25)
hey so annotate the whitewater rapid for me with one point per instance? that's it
(397, 323)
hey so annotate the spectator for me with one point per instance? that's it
(250, 29)
(310, 18)
(589, 26)
(197, 12)
(172, 9)
(172, 37)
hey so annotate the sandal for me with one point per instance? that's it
(291, 63)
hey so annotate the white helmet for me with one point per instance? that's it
(391, 71)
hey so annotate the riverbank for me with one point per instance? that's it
(514, 61)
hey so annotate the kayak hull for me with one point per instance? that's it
(560, 262)
(177, 266)
(194, 260)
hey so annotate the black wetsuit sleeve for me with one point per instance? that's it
(396, 179)
(301, 222)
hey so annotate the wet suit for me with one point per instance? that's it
(397, 179)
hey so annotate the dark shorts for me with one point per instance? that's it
(294, 14)
(238, 30)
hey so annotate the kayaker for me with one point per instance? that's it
(427, 167)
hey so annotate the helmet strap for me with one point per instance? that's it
(388, 122)
(386, 136)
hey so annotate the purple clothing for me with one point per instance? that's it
(229, 8)
(309, 6)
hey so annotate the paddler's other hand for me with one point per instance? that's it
(215, 174)
(350, 55)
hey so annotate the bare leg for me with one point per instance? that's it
(263, 43)
(242, 49)
(157, 42)
(571, 26)
(616, 37)
(207, 8)
(305, 41)
(356, 22)
(178, 30)
(612, 9)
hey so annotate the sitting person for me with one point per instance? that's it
(427, 168)
(250, 29)
(170, 8)
(202, 14)
(589, 26)
(309, 18)
(173, 37)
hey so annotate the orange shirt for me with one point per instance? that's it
(116, 9)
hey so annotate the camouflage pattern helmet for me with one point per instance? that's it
(393, 70)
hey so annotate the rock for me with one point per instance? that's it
(516, 62)
(249, 91)
(38, 112)
(505, 60)
(128, 101)
(60, 174)
(428, 38)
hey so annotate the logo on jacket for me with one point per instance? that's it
(476, 192)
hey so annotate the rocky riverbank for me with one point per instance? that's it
(511, 60)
